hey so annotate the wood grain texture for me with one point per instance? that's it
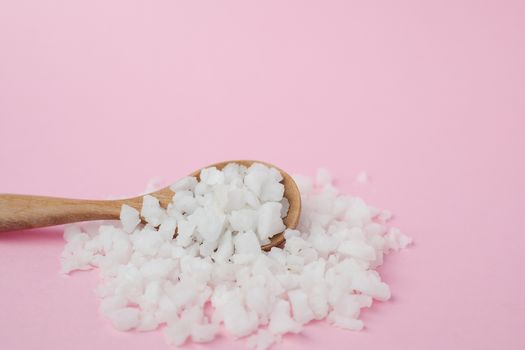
(19, 212)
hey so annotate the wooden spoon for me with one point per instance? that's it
(19, 212)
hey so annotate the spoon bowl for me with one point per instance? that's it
(18, 212)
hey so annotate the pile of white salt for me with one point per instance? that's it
(214, 273)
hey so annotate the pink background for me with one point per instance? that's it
(96, 97)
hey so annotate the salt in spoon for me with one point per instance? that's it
(18, 212)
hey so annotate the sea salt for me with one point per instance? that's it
(205, 249)
(362, 178)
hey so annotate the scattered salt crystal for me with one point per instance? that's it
(357, 250)
(247, 243)
(243, 220)
(396, 240)
(236, 200)
(209, 223)
(272, 191)
(147, 323)
(233, 173)
(270, 222)
(301, 310)
(202, 333)
(167, 228)
(151, 210)
(129, 217)
(384, 216)
(212, 176)
(262, 340)
(187, 183)
(362, 178)
(345, 322)
(237, 320)
(225, 248)
(318, 301)
(289, 233)
(281, 321)
(125, 319)
(256, 177)
(206, 248)
(184, 202)
(177, 332)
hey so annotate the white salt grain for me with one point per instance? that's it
(269, 221)
(345, 322)
(281, 321)
(362, 178)
(177, 333)
(247, 243)
(243, 220)
(202, 333)
(129, 217)
(151, 210)
(212, 176)
(125, 319)
(237, 320)
(301, 310)
(262, 340)
(187, 183)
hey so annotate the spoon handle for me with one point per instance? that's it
(19, 212)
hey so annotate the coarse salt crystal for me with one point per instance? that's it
(205, 249)
(129, 217)
(362, 178)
